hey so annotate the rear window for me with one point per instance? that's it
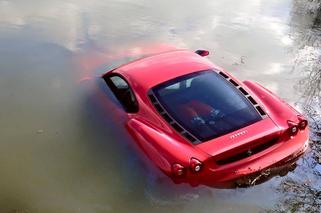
(205, 104)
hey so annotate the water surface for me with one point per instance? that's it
(61, 152)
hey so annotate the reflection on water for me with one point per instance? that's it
(61, 151)
(302, 191)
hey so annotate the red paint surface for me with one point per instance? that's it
(165, 147)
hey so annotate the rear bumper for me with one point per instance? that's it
(280, 169)
(276, 160)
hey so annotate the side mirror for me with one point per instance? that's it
(202, 52)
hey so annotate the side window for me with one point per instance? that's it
(123, 93)
(119, 82)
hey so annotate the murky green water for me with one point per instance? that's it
(60, 153)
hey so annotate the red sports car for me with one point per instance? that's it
(200, 125)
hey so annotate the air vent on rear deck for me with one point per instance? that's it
(159, 108)
(223, 74)
(233, 82)
(152, 98)
(170, 120)
(252, 100)
(167, 118)
(244, 92)
(261, 111)
(189, 137)
(177, 127)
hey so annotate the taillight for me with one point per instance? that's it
(178, 169)
(195, 165)
(293, 128)
(302, 123)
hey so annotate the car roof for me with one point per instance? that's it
(148, 72)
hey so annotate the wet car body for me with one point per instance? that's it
(275, 137)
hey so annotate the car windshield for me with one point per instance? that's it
(205, 104)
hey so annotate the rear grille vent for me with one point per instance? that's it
(167, 118)
(159, 108)
(189, 137)
(245, 93)
(223, 74)
(152, 98)
(261, 111)
(171, 121)
(177, 127)
(247, 153)
(233, 82)
(252, 100)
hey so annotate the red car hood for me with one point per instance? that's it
(241, 140)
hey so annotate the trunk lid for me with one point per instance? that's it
(243, 142)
